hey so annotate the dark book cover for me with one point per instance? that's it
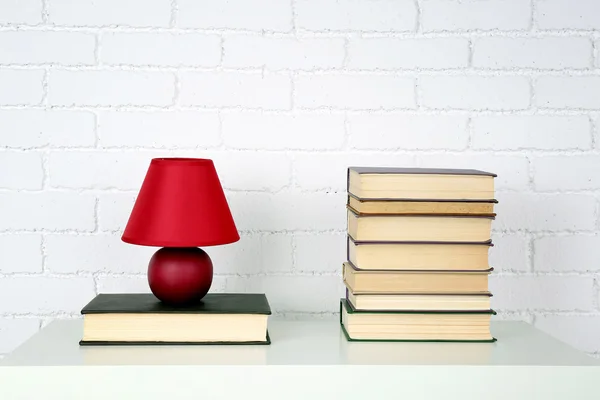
(419, 171)
(345, 305)
(352, 310)
(147, 303)
(425, 271)
(363, 215)
(363, 242)
(116, 343)
(363, 200)
(487, 294)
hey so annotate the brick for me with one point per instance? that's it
(288, 211)
(359, 92)
(32, 47)
(544, 212)
(309, 294)
(544, 132)
(329, 171)
(20, 87)
(48, 210)
(573, 253)
(566, 172)
(230, 89)
(512, 170)
(475, 92)
(260, 15)
(20, 253)
(579, 331)
(321, 253)
(21, 12)
(568, 92)
(543, 292)
(114, 210)
(392, 53)
(252, 170)
(509, 253)
(356, 15)
(139, 284)
(161, 49)
(542, 53)
(306, 131)
(503, 15)
(41, 128)
(111, 88)
(15, 331)
(28, 172)
(43, 295)
(158, 129)
(565, 14)
(408, 131)
(253, 254)
(276, 53)
(98, 170)
(138, 13)
(95, 253)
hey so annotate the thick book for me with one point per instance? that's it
(369, 183)
(419, 228)
(417, 206)
(411, 302)
(403, 282)
(398, 255)
(401, 326)
(140, 318)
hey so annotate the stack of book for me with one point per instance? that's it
(417, 258)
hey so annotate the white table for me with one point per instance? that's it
(306, 360)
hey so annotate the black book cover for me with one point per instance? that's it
(421, 171)
(147, 303)
(363, 215)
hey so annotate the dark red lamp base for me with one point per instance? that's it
(180, 275)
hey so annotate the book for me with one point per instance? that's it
(395, 282)
(140, 318)
(416, 228)
(390, 206)
(415, 326)
(384, 255)
(420, 183)
(419, 302)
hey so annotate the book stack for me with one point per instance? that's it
(417, 258)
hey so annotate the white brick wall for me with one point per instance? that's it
(503, 15)
(542, 53)
(356, 15)
(354, 92)
(277, 53)
(284, 96)
(21, 87)
(190, 49)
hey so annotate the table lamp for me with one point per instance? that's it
(180, 206)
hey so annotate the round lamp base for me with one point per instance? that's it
(180, 275)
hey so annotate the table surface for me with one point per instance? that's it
(312, 342)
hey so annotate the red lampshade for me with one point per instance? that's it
(181, 204)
